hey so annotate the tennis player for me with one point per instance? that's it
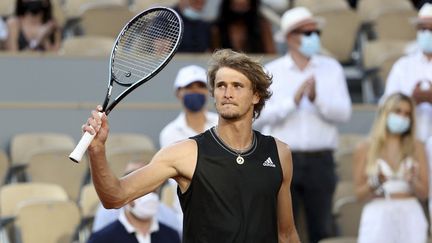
(234, 183)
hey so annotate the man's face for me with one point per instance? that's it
(233, 94)
(294, 37)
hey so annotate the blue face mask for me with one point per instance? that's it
(424, 40)
(398, 124)
(310, 44)
(194, 101)
(191, 13)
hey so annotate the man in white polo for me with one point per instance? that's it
(310, 97)
(191, 90)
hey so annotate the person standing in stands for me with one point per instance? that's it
(391, 173)
(191, 90)
(412, 74)
(310, 97)
(33, 27)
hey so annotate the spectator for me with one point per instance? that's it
(191, 90)
(33, 27)
(391, 172)
(137, 222)
(165, 215)
(412, 74)
(241, 27)
(197, 32)
(310, 97)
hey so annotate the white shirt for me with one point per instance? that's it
(403, 77)
(310, 126)
(178, 129)
(131, 229)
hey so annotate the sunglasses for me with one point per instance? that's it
(307, 32)
(422, 28)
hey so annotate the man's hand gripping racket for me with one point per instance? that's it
(142, 49)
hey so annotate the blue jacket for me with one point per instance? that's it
(116, 233)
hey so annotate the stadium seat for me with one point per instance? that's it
(87, 46)
(124, 147)
(12, 195)
(47, 221)
(88, 203)
(369, 10)
(343, 189)
(140, 5)
(7, 8)
(317, 6)
(344, 153)
(56, 167)
(104, 19)
(24, 145)
(341, 239)
(4, 166)
(384, 25)
(347, 212)
(74, 8)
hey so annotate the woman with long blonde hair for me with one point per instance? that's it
(390, 172)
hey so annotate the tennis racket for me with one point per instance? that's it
(142, 49)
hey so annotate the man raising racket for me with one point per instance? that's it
(234, 183)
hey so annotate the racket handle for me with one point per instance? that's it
(81, 147)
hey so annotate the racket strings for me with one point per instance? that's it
(145, 45)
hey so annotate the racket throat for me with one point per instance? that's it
(107, 99)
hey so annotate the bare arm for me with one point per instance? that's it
(286, 228)
(114, 192)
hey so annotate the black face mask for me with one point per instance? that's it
(33, 7)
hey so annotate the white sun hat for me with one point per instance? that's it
(190, 74)
(296, 17)
(424, 14)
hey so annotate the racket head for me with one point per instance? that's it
(144, 47)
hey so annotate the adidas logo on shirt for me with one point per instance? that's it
(269, 163)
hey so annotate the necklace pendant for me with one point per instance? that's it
(240, 160)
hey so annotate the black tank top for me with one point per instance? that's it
(230, 202)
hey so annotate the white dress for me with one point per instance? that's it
(389, 220)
